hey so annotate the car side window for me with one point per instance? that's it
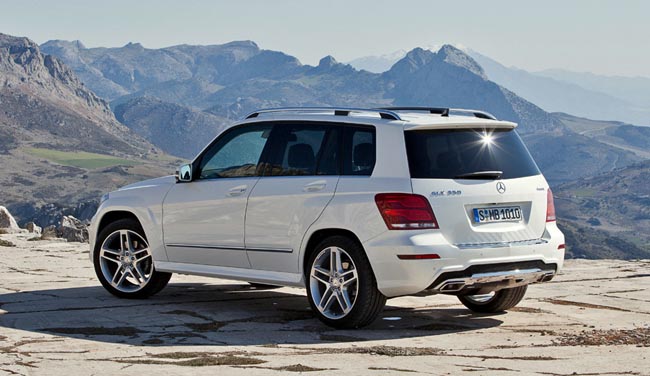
(303, 149)
(236, 154)
(359, 151)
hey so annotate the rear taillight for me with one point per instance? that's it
(550, 206)
(405, 211)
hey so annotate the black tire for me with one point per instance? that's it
(501, 301)
(157, 281)
(369, 301)
(263, 286)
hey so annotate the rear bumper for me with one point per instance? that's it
(488, 267)
(481, 279)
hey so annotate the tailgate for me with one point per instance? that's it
(475, 212)
(482, 183)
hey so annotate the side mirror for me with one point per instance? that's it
(184, 173)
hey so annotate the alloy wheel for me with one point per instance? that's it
(333, 282)
(125, 261)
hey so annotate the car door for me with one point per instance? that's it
(203, 220)
(298, 181)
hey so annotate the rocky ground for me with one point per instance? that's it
(55, 318)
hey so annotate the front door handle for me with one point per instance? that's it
(238, 190)
(315, 186)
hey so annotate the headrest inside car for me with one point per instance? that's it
(301, 156)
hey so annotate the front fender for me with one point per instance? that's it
(147, 208)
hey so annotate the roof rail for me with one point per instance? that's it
(444, 111)
(338, 111)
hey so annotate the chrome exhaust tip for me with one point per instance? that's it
(452, 286)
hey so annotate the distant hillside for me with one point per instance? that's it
(617, 203)
(59, 142)
(377, 64)
(178, 130)
(592, 243)
(630, 89)
(624, 136)
(556, 92)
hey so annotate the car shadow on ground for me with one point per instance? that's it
(207, 314)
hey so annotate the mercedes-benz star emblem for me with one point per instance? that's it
(501, 188)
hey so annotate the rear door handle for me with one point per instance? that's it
(315, 186)
(238, 190)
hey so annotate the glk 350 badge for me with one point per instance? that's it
(451, 192)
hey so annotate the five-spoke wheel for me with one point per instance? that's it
(341, 286)
(124, 262)
(333, 282)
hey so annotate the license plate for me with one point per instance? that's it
(498, 214)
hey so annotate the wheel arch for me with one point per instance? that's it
(320, 234)
(115, 215)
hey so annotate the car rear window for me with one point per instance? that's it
(450, 153)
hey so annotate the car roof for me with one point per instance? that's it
(410, 118)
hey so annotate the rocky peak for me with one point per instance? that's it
(327, 62)
(39, 93)
(413, 61)
(418, 57)
(455, 56)
(18, 53)
(25, 68)
(63, 44)
(134, 46)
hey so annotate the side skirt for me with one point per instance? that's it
(239, 274)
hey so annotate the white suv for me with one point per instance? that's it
(358, 205)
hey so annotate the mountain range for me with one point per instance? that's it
(154, 104)
(232, 79)
(584, 94)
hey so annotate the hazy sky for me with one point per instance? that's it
(606, 37)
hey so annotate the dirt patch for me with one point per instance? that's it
(6, 243)
(484, 357)
(528, 310)
(584, 305)
(124, 331)
(209, 326)
(478, 368)
(205, 327)
(391, 369)
(382, 350)
(542, 332)
(299, 368)
(153, 341)
(624, 291)
(187, 313)
(613, 337)
(339, 338)
(196, 354)
(442, 327)
(201, 361)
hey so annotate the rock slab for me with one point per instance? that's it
(72, 229)
(7, 221)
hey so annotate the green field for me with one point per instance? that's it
(80, 159)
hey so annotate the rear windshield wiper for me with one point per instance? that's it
(480, 175)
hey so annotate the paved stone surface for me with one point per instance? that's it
(55, 319)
